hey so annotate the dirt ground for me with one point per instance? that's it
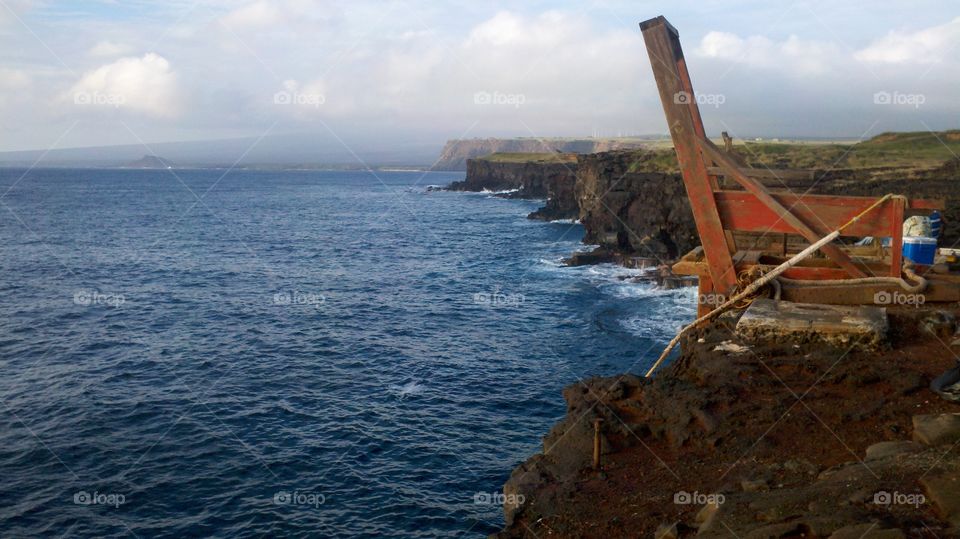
(778, 432)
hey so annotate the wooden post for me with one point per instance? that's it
(683, 120)
(596, 443)
(896, 236)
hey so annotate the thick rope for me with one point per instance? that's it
(773, 275)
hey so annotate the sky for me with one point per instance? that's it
(105, 72)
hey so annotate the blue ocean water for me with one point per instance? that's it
(245, 354)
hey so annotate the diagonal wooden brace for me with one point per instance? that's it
(758, 190)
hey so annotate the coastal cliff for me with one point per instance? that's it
(628, 206)
(633, 203)
(456, 153)
(548, 176)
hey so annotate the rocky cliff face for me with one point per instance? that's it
(553, 181)
(628, 207)
(456, 153)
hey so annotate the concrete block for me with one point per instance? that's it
(860, 327)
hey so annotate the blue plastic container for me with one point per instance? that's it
(919, 249)
(935, 224)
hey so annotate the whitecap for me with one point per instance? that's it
(407, 390)
(502, 192)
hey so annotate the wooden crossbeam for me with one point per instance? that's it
(743, 212)
(757, 189)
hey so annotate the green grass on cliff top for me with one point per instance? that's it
(912, 150)
(551, 157)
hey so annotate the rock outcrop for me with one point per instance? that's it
(627, 206)
(531, 178)
(552, 178)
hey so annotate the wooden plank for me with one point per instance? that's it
(936, 292)
(742, 211)
(896, 236)
(812, 232)
(928, 204)
(705, 290)
(683, 119)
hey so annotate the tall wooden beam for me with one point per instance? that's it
(683, 119)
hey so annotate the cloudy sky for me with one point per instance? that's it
(88, 72)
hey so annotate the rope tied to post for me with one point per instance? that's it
(775, 273)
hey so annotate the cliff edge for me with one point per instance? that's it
(755, 440)
(456, 153)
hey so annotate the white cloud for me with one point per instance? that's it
(511, 29)
(109, 49)
(257, 14)
(925, 46)
(298, 99)
(392, 67)
(144, 84)
(11, 10)
(13, 79)
(794, 54)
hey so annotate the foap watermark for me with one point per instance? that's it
(712, 298)
(315, 499)
(697, 498)
(99, 498)
(87, 298)
(99, 99)
(898, 98)
(498, 498)
(499, 299)
(499, 98)
(685, 98)
(898, 298)
(296, 297)
(286, 97)
(898, 498)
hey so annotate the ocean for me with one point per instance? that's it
(204, 353)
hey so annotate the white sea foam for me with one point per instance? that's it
(407, 390)
(663, 317)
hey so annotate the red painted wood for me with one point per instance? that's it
(683, 120)
(810, 230)
(742, 211)
(896, 235)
